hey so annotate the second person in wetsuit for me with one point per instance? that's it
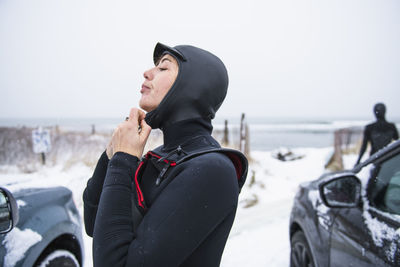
(379, 134)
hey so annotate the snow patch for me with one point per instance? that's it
(380, 231)
(17, 243)
(321, 210)
(58, 254)
(21, 203)
(391, 252)
(74, 217)
(266, 223)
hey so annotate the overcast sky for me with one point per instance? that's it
(291, 58)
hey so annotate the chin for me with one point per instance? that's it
(146, 106)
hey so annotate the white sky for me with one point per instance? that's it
(292, 58)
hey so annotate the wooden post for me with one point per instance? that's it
(338, 149)
(335, 163)
(247, 141)
(244, 144)
(43, 158)
(225, 140)
(242, 134)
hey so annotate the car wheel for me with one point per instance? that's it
(300, 253)
(59, 258)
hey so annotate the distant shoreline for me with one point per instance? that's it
(265, 133)
(51, 121)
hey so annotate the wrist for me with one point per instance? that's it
(121, 169)
(133, 153)
(121, 158)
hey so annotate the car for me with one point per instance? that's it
(349, 218)
(40, 227)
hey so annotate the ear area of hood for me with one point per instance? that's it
(160, 49)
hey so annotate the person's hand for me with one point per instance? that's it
(109, 150)
(131, 135)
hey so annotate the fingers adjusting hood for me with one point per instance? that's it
(198, 91)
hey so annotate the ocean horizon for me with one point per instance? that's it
(266, 133)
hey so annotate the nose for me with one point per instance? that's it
(148, 74)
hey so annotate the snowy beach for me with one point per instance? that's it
(259, 236)
(291, 84)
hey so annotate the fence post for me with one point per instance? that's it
(244, 143)
(225, 140)
(346, 140)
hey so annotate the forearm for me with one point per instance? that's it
(396, 134)
(362, 151)
(95, 183)
(113, 231)
(92, 192)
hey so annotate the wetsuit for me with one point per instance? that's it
(379, 134)
(175, 206)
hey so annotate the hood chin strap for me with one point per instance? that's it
(151, 119)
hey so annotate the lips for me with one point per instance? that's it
(144, 89)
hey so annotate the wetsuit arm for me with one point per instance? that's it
(396, 133)
(92, 192)
(197, 203)
(363, 146)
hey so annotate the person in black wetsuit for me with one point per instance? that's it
(378, 134)
(176, 205)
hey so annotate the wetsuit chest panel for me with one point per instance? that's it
(148, 181)
(149, 185)
(380, 134)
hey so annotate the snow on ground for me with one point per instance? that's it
(260, 235)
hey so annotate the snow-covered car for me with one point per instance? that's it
(350, 218)
(39, 227)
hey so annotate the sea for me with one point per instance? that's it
(265, 133)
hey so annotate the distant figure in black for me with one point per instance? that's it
(379, 133)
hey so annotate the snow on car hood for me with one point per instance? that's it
(17, 243)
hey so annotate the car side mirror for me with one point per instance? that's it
(8, 211)
(341, 192)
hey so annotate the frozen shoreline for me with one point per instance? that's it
(259, 236)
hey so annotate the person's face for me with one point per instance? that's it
(158, 81)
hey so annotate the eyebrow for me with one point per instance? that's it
(164, 59)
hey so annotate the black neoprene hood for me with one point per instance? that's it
(198, 91)
(380, 110)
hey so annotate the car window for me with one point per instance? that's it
(385, 188)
